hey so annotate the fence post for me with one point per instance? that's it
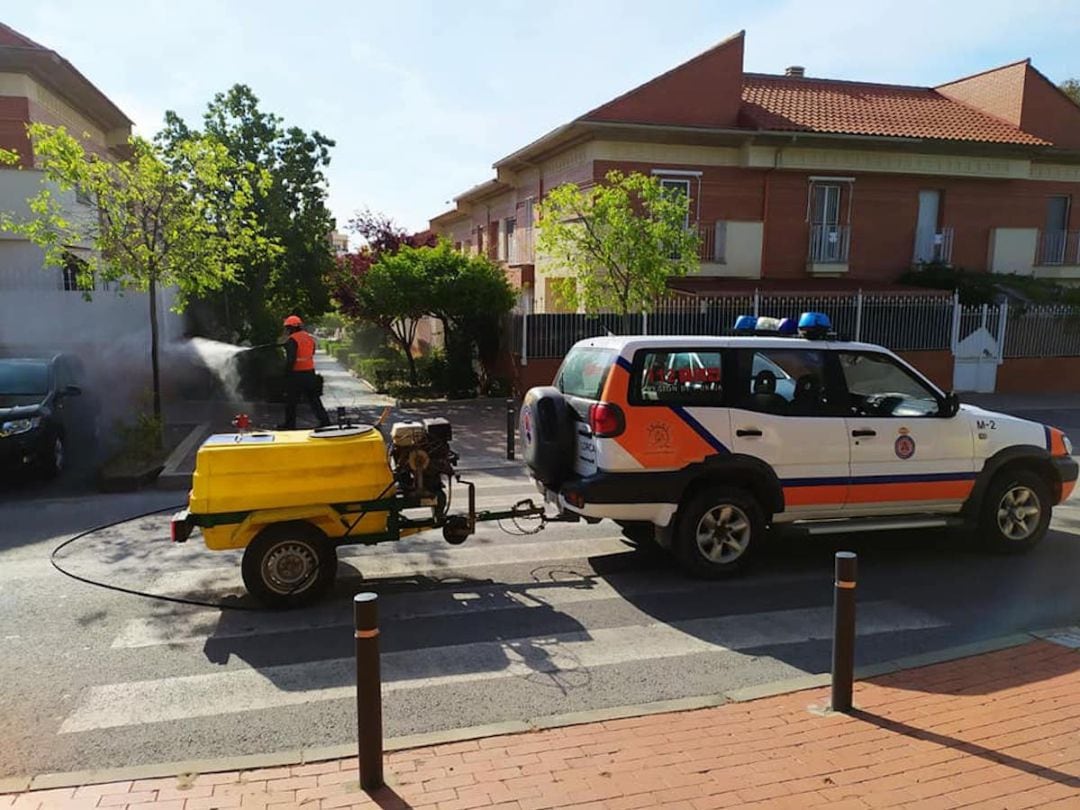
(525, 338)
(644, 322)
(843, 656)
(1003, 320)
(858, 317)
(369, 730)
(954, 339)
(757, 302)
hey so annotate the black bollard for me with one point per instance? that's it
(369, 732)
(843, 657)
(510, 413)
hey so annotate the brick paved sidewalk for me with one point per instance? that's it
(1000, 730)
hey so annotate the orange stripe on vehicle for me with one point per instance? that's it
(1067, 489)
(918, 491)
(655, 435)
(1057, 443)
(815, 496)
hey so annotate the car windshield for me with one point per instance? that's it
(24, 379)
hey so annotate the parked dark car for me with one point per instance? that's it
(43, 413)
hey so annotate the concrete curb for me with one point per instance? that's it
(170, 478)
(48, 781)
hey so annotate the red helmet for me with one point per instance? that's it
(294, 320)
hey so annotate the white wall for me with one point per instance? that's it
(1012, 250)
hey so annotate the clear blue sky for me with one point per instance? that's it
(422, 97)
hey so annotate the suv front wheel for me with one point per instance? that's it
(1015, 511)
(719, 529)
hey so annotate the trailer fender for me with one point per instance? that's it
(238, 535)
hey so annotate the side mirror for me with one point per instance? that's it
(71, 391)
(952, 405)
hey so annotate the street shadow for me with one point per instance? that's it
(969, 748)
(424, 616)
(918, 592)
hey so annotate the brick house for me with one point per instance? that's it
(798, 182)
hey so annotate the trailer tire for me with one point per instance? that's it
(288, 565)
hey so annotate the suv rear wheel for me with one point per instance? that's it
(719, 528)
(1015, 511)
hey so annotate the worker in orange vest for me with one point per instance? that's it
(300, 377)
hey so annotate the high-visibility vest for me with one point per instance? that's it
(305, 351)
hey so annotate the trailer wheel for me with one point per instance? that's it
(289, 564)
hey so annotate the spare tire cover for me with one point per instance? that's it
(547, 435)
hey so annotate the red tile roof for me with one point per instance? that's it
(859, 108)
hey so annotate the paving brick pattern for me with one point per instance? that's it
(1000, 730)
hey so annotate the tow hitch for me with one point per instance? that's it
(458, 528)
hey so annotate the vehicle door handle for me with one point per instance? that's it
(747, 432)
(863, 433)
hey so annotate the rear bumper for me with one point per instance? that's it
(614, 496)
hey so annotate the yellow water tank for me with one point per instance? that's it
(237, 473)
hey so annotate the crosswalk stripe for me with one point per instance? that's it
(197, 625)
(438, 559)
(185, 697)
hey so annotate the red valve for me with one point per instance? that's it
(242, 422)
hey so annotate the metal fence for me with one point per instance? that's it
(903, 323)
(1042, 331)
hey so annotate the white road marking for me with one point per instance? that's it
(180, 698)
(374, 565)
(562, 589)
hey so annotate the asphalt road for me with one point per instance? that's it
(501, 628)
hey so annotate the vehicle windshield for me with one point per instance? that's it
(583, 372)
(24, 379)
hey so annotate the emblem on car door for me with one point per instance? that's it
(905, 446)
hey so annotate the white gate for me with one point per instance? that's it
(978, 344)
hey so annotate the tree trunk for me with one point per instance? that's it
(414, 381)
(154, 361)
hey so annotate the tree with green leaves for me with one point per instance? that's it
(618, 242)
(291, 210)
(1071, 88)
(155, 224)
(394, 294)
(396, 282)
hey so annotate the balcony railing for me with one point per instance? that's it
(829, 244)
(1058, 248)
(521, 249)
(712, 242)
(934, 247)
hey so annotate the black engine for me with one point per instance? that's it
(422, 457)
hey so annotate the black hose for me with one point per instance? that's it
(179, 600)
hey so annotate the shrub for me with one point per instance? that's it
(379, 371)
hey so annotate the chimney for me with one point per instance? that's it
(795, 70)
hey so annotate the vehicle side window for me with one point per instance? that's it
(786, 382)
(584, 372)
(878, 386)
(679, 377)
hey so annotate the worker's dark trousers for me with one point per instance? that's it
(303, 384)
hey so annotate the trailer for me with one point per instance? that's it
(289, 499)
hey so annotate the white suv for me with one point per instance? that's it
(701, 443)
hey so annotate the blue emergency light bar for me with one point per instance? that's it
(814, 325)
